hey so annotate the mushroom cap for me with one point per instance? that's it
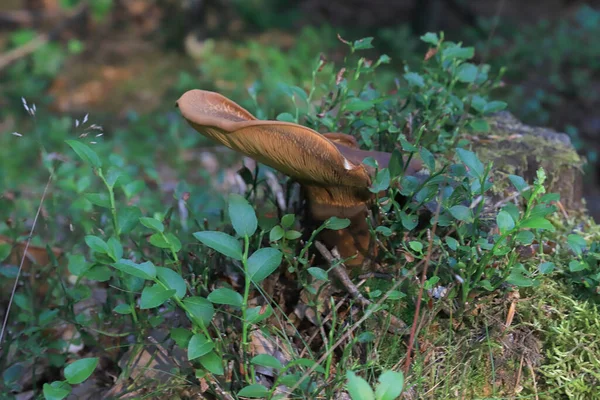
(295, 150)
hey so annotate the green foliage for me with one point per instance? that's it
(158, 255)
(389, 388)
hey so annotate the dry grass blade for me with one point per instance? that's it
(23, 257)
(346, 335)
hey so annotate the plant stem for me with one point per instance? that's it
(245, 325)
(111, 199)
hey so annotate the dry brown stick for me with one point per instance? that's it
(23, 51)
(340, 272)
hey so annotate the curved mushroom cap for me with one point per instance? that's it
(292, 149)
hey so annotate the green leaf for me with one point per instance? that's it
(158, 240)
(366, 337)
(358, 388)
(96, 244)
(458, 52)
(254, 391)
(396, 295)
(480, 125)
(390, 385)
(98, 199)
(427, 158)
(525, 237)
(199, 345)
(13, 373)
(356, 105)
(286, 117)
(382, 181)
(213, 363)
(471, 162)
(452, 243)
(145, 270)
(113, 176)
(256, 314)
(181, 336)
(396, 164)
(115, 250)
(133, 188)
(266, 360)
(414, 79)
(299, 93)
(173, 241)
(576, 243)
(85, 153)
(200, 309)
(123, 309)
(537, 223)
(461, 213)
(384, 230)
(518, 277)
(153, 224)
(576, 266)
(226, 296)
(466, 73)
(172, 280)
(292, 235)
(5, 250)
(409, 221)
(77, 264)
(318, 273)
(100, 273)
(486, 284)
(80, 370)
(478, 103)
(56, 390)
(221, 242)
(546, 267)
(335, 223)
(494, 106)
(518, 182)
(505, 221)
(287, 221)
(513, 210)
(416, 246)
(276, 233)
(127, 218)
(263, 263)
(154, 296)
(363, 44)
(431, 38)
(243, 217)
(383, 59)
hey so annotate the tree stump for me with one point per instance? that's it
(519, 149)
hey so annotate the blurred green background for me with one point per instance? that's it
(125, 62)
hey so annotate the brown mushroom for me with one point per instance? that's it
(328, 167)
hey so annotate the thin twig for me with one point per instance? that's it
(23, 51)
(427, 259)
(345, 336)
(14, 289)
(340, 272)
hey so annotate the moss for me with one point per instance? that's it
(519, 149)
(569, 330)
